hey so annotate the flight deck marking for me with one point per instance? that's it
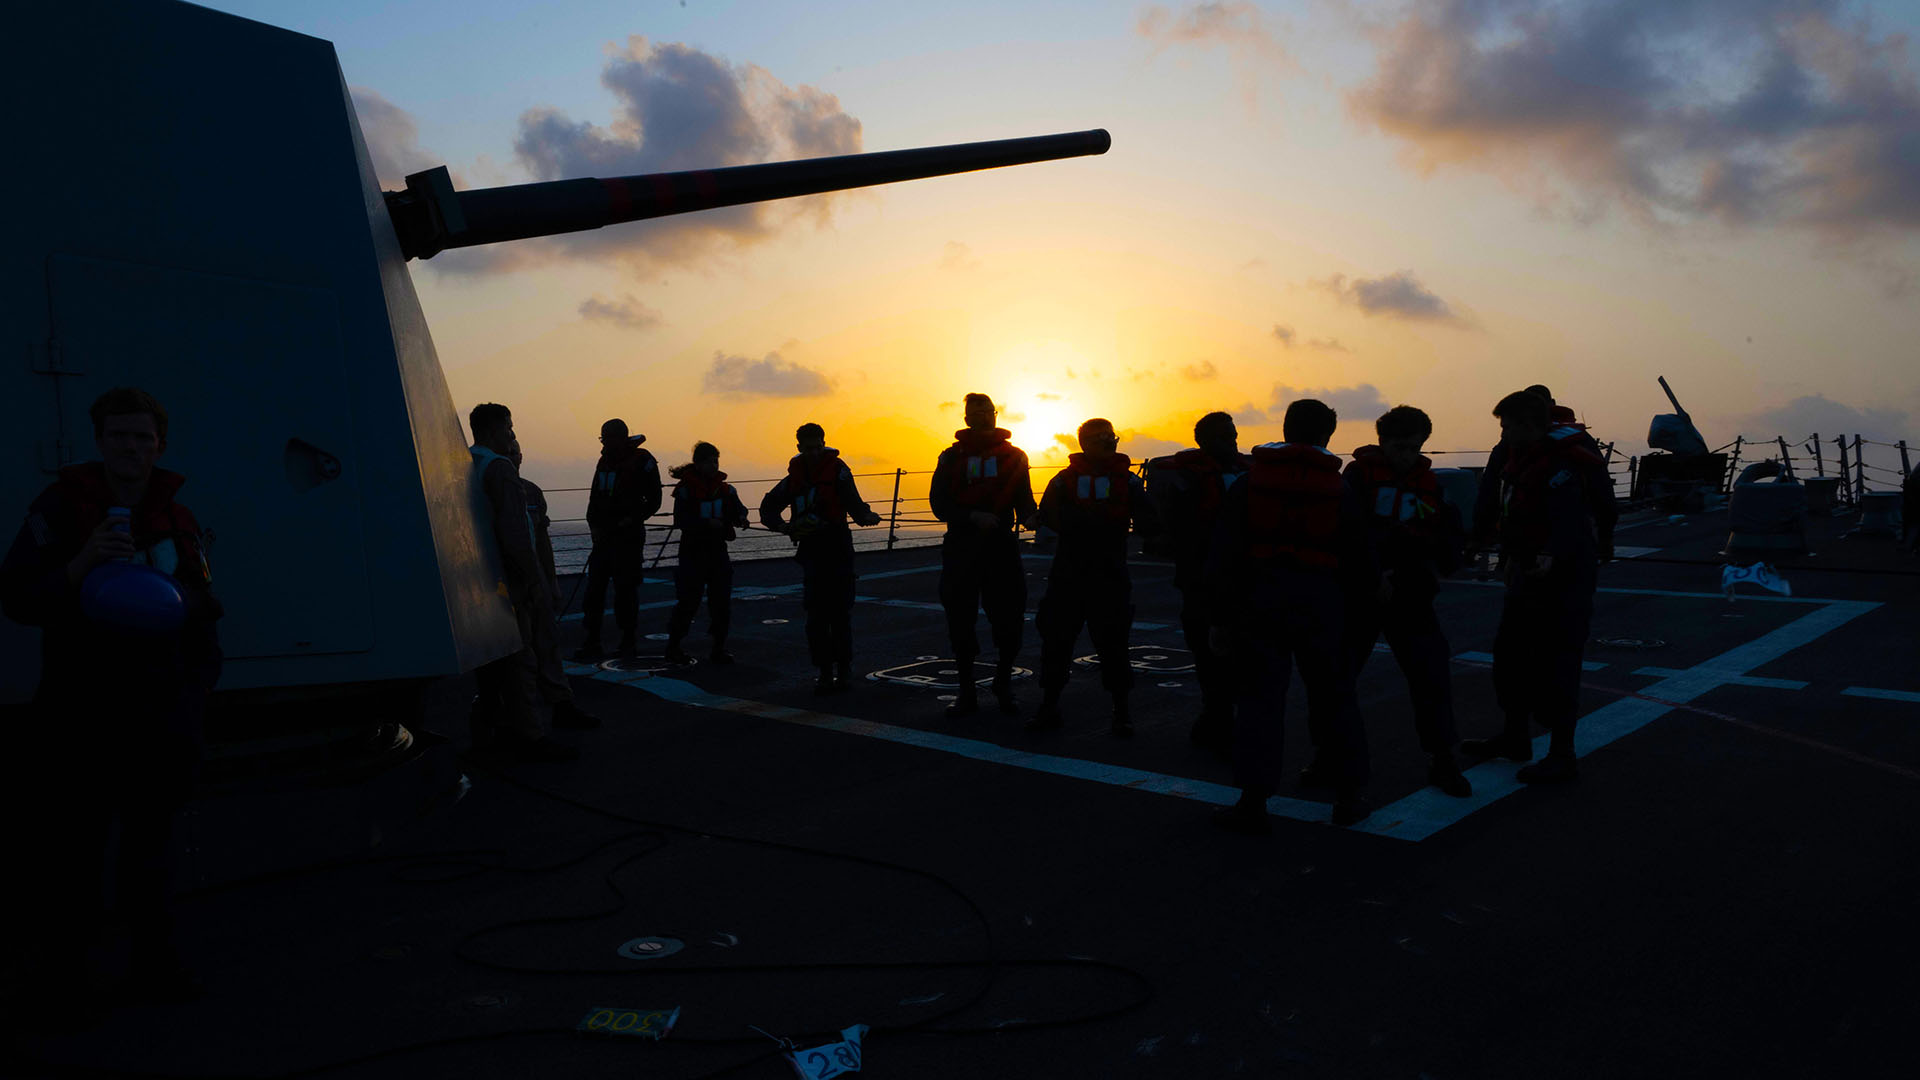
(1733, 679)
(1884, 695)
(1414, 817)
(686, 693)
(1427, 811)
(1487, 658)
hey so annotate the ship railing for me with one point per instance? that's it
(907, 520)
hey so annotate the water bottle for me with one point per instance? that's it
(123, 527)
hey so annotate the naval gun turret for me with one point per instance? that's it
(1681, 472)
(205, 223)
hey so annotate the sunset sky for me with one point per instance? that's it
(1429, 203)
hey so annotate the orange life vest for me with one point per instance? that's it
(1394, 499)
(984, 466)
(815, 490)
(1293, 505)
(1100, 493)
(1209, 478)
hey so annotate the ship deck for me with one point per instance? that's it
(1726, 890)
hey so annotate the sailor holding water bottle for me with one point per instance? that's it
(113, 569)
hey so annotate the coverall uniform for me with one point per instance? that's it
(1091, 506)
(706, 510)
(549, 676)
(1546, 509)
(626, 492)
(1415, 536)
(1290, 543)
(1197, 484)
(117, 729)
(1599, 482)
(982, 473)
(504, 710)
(821, 491)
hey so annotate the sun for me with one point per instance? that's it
(1044, 418)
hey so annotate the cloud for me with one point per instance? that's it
(1138, 445)
(958, 257)
(1012, 417)
(1816, 413)
(1250, 415)
(677, 108)
(1288, 339)
(393, 140)
(1741, 111)
(1200, 372)
(626, 313)
(1044, 396)
(1354, 403)
(1238, 28)
(770, 376)
(1398, 295)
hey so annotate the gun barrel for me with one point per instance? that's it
(430, 216)
(1670, 397)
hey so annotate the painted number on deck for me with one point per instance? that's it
(644, 1023)
(833, 1059)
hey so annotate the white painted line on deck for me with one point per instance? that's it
(928, 605)
(1487, 658)
(1623, 552)
(1731, 679)
(1744, 598)
(1427, 811)
(1883, 695)
(1182, 787)
(1415, 817)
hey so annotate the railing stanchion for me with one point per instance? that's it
(1906, 470)
(893, 519)
(1786, 462)
(1633, 470)
(1859, 470)
(663, 547)
(1819, 459)
(1733, 467)
(1846, 489)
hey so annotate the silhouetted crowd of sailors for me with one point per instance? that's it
(1285, 556)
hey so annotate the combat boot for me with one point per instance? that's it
(1350, 807)
(1003, 687)
(1444, 773)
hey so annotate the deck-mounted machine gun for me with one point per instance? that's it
(1681, 473)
